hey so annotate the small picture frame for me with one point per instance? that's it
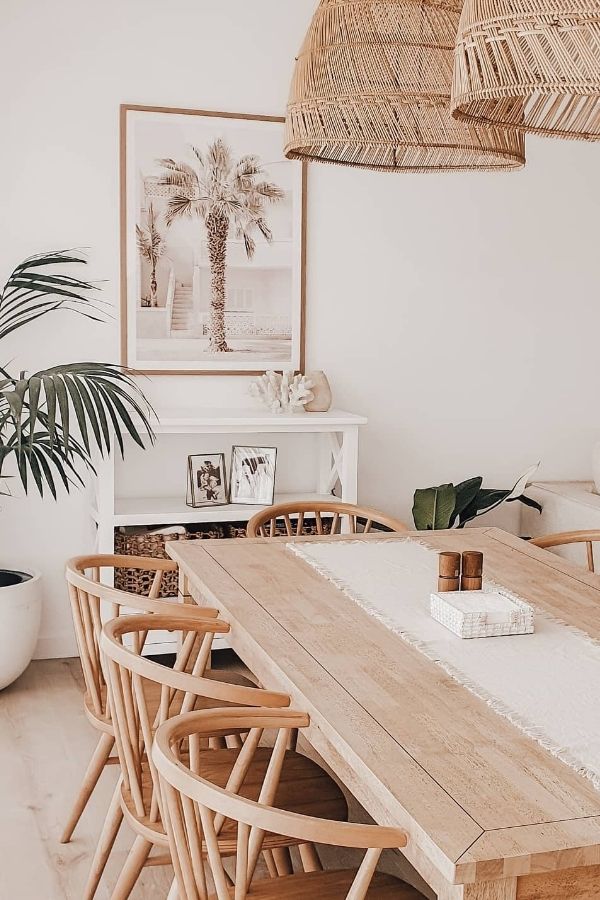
(253, 475)
(207, 480)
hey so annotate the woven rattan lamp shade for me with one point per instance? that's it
(531, 64)
(371, 88)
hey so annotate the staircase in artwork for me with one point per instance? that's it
(183, 309)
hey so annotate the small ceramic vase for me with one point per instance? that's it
(321, 390)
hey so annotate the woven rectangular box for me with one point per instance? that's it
(475, 614)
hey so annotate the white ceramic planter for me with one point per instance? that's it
(20, 616)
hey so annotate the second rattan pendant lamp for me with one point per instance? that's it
(530, 64)
(371, 89)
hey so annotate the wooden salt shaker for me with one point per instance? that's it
(472, 571)
(449, 571)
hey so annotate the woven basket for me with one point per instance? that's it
(532, 66)
(371, 88)
(137, 581)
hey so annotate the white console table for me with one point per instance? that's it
(142, 489)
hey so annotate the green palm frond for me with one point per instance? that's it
(40, 457)
(32, 291)
(44, 463)
(54, 421)
(96, 398)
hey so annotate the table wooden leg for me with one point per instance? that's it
(184, 588)
(506, 889)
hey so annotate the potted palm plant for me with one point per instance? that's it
(52, 423)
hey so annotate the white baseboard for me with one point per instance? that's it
(57, 646)
(63, 646)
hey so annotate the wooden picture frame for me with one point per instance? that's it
(188, 287)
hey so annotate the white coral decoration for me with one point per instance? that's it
(282, 391)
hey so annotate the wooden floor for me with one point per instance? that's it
(45, 743)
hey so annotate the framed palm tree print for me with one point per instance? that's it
(212, 243)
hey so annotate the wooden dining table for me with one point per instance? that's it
(490, 814)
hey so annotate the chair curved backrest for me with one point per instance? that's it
(133, 679)
(93, 602)
(330, 517)
(561, 538)
(196, 807)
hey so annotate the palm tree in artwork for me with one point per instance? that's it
(151, 245)
(226, 194)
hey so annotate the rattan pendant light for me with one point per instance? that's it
(531, 64)
(371, 89)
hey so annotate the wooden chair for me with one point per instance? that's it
(303, 784)
(198, 810)
(562, 538)
(330, 517)
(87, 596)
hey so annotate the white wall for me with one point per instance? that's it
(460, 313)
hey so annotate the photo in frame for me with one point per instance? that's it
(212, 243)
(207, 480)
(253, 475)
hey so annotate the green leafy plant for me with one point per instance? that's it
(452, 506)
(52, 422)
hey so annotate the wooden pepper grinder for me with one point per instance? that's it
(472, 571)
(449, 571)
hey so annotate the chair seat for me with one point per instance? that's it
(153, 690)
(303, 788)
(229, 677)
(328, 886)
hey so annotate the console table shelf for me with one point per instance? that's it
(239, 421)
(173, 510)
(149, 488)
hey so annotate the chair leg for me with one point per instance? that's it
(90, 780)
(131, 870)
(310, 858)
(106, 841)
(283, 861)
(270, 862)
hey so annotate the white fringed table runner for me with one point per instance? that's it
(547, 683)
